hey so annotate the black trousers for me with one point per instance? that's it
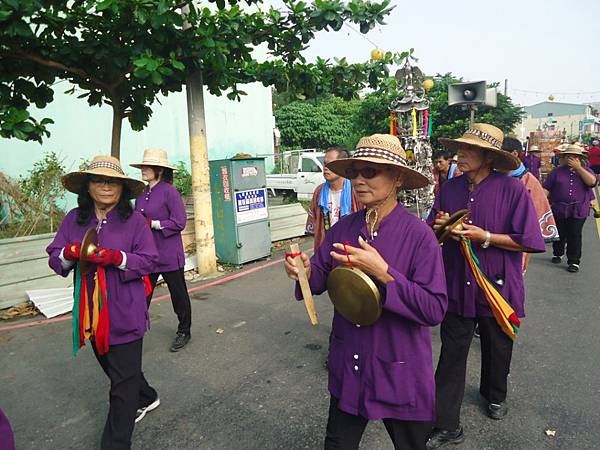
(129, 391)
(496, 352)
(570, 231)
(179, 297)
(344, 431)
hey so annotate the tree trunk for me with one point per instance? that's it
(115, 146)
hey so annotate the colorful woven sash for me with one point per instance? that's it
(96, 324)
(504, 313)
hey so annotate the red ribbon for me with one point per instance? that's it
(292, 255)
(103, 330)
(347, 254)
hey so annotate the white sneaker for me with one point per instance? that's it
(142, 411)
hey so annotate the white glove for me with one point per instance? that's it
(155, 225)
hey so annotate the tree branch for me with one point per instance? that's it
(56, 65)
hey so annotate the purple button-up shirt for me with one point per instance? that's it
(163, 203)
(127, 310)
(569, 195)
(533, 164)
(500, 204)
(385, 370)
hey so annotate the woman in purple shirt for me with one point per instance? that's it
(532, 161)
(384, 370)
(161, 204)
(570, 192)
(126, 251)
(502, 223)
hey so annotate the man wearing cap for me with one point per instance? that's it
(502, 223)
(532, 161)
(570, 192)
(331, 200)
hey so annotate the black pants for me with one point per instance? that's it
(179, 297)
(569, 231)
(129, 391)
(344, 431)
(496, 352)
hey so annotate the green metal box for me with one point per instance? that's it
(240, 210)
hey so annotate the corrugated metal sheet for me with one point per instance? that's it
(24, 262)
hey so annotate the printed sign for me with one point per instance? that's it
(251, 205)
(225, 181)
(249, 171)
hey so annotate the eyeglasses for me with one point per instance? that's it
(107, 181)
(366, 172)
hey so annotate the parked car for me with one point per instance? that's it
(301, 171)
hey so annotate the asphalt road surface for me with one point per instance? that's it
(261, 383)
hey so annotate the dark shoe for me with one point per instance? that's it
(573, 268)
(440, 438)
(180, 341)
(497, 411)
(141, 413)
(556, 259)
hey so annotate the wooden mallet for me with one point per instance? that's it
(304, 286)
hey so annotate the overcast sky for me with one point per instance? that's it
(549, 46)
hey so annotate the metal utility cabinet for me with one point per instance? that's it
(240, 213)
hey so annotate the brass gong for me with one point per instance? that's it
(354, 295)
(454, 223)
(88, 246)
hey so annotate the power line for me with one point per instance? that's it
(361, 35)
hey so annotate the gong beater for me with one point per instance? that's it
(88, 246)
(453, 223)
(354, 295)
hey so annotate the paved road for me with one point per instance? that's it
(261, 383)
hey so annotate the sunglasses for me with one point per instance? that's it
(107, 181)
(366, 172)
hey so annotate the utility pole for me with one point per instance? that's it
(506, 87)
(203, 220)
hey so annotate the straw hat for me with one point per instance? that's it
(572, 149)
(154, 157)
(485, 137)
(106, 166)
(382, 149)
(534, 149)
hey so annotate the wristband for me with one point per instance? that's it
(488, 239)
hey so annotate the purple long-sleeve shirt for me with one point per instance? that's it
(569, 195)
(127, 310)
(163, 203)
(500, 204)
(533, 164)
(385, 370)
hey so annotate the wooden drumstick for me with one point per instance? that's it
(304, 286)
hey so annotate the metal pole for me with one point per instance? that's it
(472, 119)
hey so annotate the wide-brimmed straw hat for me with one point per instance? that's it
(534, 149)
(154, 157)
(488, 138)
(572, 149)
(382, 149)
(105, 166)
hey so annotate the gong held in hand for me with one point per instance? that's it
(88, 247)
(453, 223)
(354, 295)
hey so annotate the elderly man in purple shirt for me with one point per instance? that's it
(502, 223)
(383, 370)
(569, 188)
(126, 252)
(165, 212)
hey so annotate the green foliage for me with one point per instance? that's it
(43, 180)
(317, 124)
(182, 179)
(125, 53)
